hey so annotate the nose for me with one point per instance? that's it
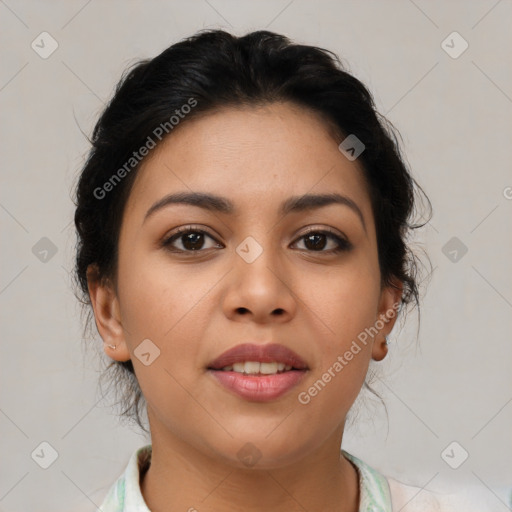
(259, 291)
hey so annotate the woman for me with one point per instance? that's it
(241, 220)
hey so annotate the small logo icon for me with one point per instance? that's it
(146, 352)
(249, 250)
(249, 454)
(454, 45)
(44, 250)
(44, 455)
(351, 147)
(454, 249)
(454, 455)
(44, 45)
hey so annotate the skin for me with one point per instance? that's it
(195, 306)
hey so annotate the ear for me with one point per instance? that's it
(107, 315)
(389, 304)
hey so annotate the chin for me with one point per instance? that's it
(254, 452)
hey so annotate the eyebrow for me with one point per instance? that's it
(220, 204)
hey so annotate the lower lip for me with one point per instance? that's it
(262, 388)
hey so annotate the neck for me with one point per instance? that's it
(182, 478)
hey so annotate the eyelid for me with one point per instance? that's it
(323, 229)
(186, 229)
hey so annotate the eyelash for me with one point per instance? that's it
(343, 245)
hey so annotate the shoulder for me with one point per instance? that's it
(413, 499)
(410, 498)
(124, 493)
(384, 493)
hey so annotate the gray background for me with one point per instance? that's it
(452, 384)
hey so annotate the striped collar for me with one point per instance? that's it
(375, 495)
(125, 494)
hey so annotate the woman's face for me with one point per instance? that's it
(255, 277)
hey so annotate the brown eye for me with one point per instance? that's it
(190, 240)
(317, 241)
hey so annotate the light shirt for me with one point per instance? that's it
(377, 492)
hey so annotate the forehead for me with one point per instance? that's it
(254, 155)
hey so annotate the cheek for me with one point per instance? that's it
(342, 358)
(168, 308)
(345, 302)
(345, 305)
(157, 299)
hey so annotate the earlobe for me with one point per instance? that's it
(105, 305)
(389, 305)
(380, 348)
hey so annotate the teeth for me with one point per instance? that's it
(251, 367)
(254, 368)
(239, 367)
(268, 368)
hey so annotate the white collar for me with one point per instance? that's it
(125, 494)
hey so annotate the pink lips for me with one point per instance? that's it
(259, 388)
(259, 353)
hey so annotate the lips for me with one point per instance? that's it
(258, 387)
(259, 353)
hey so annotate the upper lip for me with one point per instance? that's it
(259, 353)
